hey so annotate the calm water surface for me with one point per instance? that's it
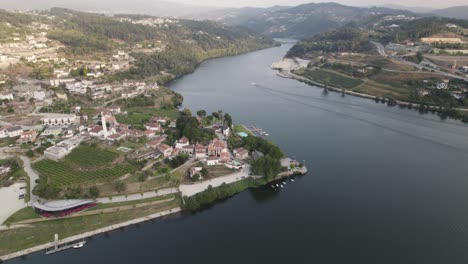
(386, 185)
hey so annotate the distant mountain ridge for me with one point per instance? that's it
(299, 21)
(460, 12)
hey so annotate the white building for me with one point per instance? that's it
(59, 120)
(63, 148)
(6, 96)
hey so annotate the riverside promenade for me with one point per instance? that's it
(91, 233)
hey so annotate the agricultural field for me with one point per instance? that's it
(89, 156)
(86, 164)
(61, 174)
(133, 119)
(333, 79)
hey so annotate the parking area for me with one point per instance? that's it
(10, 202)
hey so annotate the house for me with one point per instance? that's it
(149, 133)
(216, 146)
(241, 153)
(212, 161)
(225, 157)
(15, 131)
(96, 131)
(196, 171)
(156, 127)
(145, 155)
(200, 151)
(225, 130)
(442, 85)
(52, 130)
(165, 149)
(182, 142)
(116, 137)
(189, 149)
(155, 142)
(4, 132)
(6, 96)
(158, 119)
(27, 137)
(63, 148)
(59, 120)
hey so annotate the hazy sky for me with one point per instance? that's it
(264, 3)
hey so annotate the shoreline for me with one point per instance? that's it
(91, 233)
(283, 69)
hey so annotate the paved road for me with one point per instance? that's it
(192, 189)
(33, 177)
(137, 196)
(381, 51)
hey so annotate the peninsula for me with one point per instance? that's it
(92, 140)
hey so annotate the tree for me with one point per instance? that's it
(93, 191)
(201, 113)
(228, 120)
(119, 187)
(187, 112)
(419, 56)
(266, 166)
(29, 153)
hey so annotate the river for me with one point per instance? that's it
(385, 185)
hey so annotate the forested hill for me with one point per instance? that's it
(301, 21)
(182, 43)
(347, 39)
(355, 37)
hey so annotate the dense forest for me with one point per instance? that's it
(187, 42)
(423, 27)
(346, 39)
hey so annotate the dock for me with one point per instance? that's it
(57, 247)
(257, 131)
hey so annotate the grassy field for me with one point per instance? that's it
(133, 119)
(333, 79)
(241, 128)
(21, 215)
(39, 233)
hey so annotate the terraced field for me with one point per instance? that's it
(86, 164)
(88, 156)
(61, 174)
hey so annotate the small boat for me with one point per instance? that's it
(79, 245)
(277, 185)
(284, 183)
(273, 186)
(281, 186)
(292, 180)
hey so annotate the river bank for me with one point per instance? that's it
(91, 233)
(287, 65)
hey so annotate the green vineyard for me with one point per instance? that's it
(61, 174)
(88, 156)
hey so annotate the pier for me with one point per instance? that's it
(257, 131)
(57, 247)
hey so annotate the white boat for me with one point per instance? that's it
(284, 183)
(281, 186)
(79, 245)
(277, 185)
(292, 180)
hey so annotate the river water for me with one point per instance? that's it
(386, 185)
